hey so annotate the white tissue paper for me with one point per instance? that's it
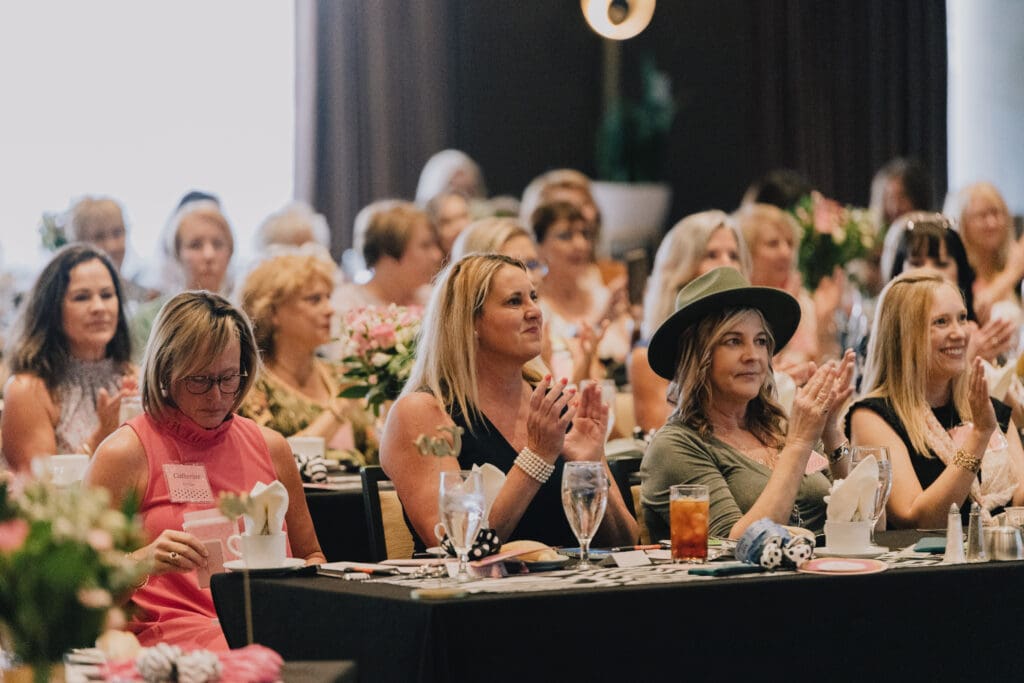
(493, 479)
(999, 379)
(853, 499)
(268, 504)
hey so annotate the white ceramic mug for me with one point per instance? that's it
(259, 551)
(848, 537)
(310, 446)
(63, 469)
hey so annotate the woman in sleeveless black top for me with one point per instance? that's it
(917, 387)
(481, 335)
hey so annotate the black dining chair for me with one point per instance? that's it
(390, 538)
(622, 468)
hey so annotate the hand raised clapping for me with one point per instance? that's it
(550, 415)
(585, 440)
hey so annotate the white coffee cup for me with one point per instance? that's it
(848, 537)
(63, 470)
(310, 446)
(259, 551)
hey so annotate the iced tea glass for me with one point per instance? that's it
(688, 518)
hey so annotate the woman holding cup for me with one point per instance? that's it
(475, 369)
(184, 451)
(728, 432)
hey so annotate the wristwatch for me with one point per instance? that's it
(839, 453)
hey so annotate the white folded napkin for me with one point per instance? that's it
(786, 389)
(493, 479)
(853, 499)
(999, 379)
(268, 504)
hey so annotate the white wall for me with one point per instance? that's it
(986, 95)
(143, 101)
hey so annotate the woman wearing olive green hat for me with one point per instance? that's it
(728, 430)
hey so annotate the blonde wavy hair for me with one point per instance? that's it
(896, 367)
(751, 219)
(278, 281)
(487, 235)
(956, 208)
(676, 262)
(445, 364)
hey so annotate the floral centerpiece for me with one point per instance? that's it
(379, 348)
(63, 565)
(833, 235)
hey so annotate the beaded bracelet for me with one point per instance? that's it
(966, 462)
(534, 465)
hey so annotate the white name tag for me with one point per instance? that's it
(188, 484)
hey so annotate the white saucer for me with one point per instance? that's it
(867, 553)
(289, 563)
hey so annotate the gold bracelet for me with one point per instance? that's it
(966, 462)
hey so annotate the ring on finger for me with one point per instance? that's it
(172, 556)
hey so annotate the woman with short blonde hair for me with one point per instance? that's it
(288, 298)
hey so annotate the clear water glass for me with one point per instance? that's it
(461, 510)
(881, 454)
(584, 499)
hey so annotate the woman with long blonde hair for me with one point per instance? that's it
(934, 416)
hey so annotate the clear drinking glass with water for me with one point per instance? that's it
(584, 499)
(881, 454)
(461, 509)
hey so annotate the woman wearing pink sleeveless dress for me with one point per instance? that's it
(183, 451)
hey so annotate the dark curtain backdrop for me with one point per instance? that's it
(832, 89)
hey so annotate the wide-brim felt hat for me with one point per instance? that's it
(719, 290)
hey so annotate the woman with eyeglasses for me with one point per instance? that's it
(183, 452)
(571, 299)
(696, 245)
(69, 360)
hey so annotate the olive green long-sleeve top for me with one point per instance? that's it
(678, 455)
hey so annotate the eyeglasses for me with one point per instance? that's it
(535, 265)
(200, 384)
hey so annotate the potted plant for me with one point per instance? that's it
(631, 158)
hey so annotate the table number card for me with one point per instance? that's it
(631, 558)
(188, 483)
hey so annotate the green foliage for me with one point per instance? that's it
(62, 566)
(632, 139)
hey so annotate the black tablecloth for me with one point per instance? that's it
(319, 672)
(947, 622)
(340, 522)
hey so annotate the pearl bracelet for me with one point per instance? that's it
(533, 465)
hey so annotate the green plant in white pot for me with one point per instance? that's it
(631, 156)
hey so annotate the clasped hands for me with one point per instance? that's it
(554, 406)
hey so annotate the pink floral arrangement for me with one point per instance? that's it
(833, 236)
(379, 348)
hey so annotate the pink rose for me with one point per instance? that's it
(384, 335)
(13, 534)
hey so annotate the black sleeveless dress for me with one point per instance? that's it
(544, 519)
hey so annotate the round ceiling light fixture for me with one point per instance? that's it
(618, 19)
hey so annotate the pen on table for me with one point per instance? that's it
(374, 571)
(621, 548)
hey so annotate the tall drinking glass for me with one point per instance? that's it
(461, 507)
(881, 453)
(584, 498)
(688, 522)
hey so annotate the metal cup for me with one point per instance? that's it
(1004, 543)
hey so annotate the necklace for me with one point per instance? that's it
(752, 448)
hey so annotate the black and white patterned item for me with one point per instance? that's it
(487, 543)
(772, 546)
(312, 468)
